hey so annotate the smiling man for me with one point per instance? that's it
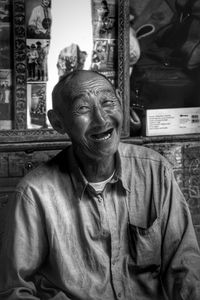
(102, 220)
(92, 119)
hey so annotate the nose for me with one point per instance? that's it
(99, 116)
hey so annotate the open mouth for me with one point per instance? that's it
(103, 136)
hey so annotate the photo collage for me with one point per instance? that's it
(38, 25)
(5, 66)
(104, 35)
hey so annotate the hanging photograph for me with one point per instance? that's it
(5, 49)
(104, 19)
(37, 54)
(38, 19)
(36, 95)
(104, 56)
(5, 9)
(5, 100)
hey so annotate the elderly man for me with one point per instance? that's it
(101, 220)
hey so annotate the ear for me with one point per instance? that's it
(118, 93)
(56, 121)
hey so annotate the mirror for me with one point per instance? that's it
(54, 37)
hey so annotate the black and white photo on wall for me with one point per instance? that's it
(104, 35)
(36, 110)
(38, 19)
(37, 55)
(6, 64)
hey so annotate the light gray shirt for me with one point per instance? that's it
(134, 241)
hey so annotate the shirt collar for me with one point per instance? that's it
(121, 172)
(80, 182)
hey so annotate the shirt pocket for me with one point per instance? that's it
(145, 245)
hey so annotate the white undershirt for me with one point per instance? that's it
(99, 186)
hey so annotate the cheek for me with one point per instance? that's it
(117, 115)
(79, 125)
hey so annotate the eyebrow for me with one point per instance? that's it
(109, 91)
(78, 97)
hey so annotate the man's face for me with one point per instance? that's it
(46, 2)
(92, 116)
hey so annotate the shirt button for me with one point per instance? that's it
(119, 295)
(99, 199)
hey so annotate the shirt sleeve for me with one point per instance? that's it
(23, 247)
(180, 250)
(33, 17)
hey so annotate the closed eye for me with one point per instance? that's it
(83, 109)
(108, 103)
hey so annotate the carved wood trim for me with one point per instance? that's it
(123, 62)
(20, 66)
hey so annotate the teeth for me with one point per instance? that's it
(103, 138)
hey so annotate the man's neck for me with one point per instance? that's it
(97, 170)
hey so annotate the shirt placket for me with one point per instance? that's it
(102, 212)
(115, 249)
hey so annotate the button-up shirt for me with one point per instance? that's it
(135, 240)
(38, 15)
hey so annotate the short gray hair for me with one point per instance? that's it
(59, 92)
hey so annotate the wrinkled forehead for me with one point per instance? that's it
(91, 84)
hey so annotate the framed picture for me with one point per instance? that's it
(42, 51)
(165, 77)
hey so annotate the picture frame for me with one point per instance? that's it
(24, 127)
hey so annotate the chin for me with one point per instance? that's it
(105, 152)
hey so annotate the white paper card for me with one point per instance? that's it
(172, 121)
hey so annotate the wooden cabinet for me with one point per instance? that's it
(16, 164)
